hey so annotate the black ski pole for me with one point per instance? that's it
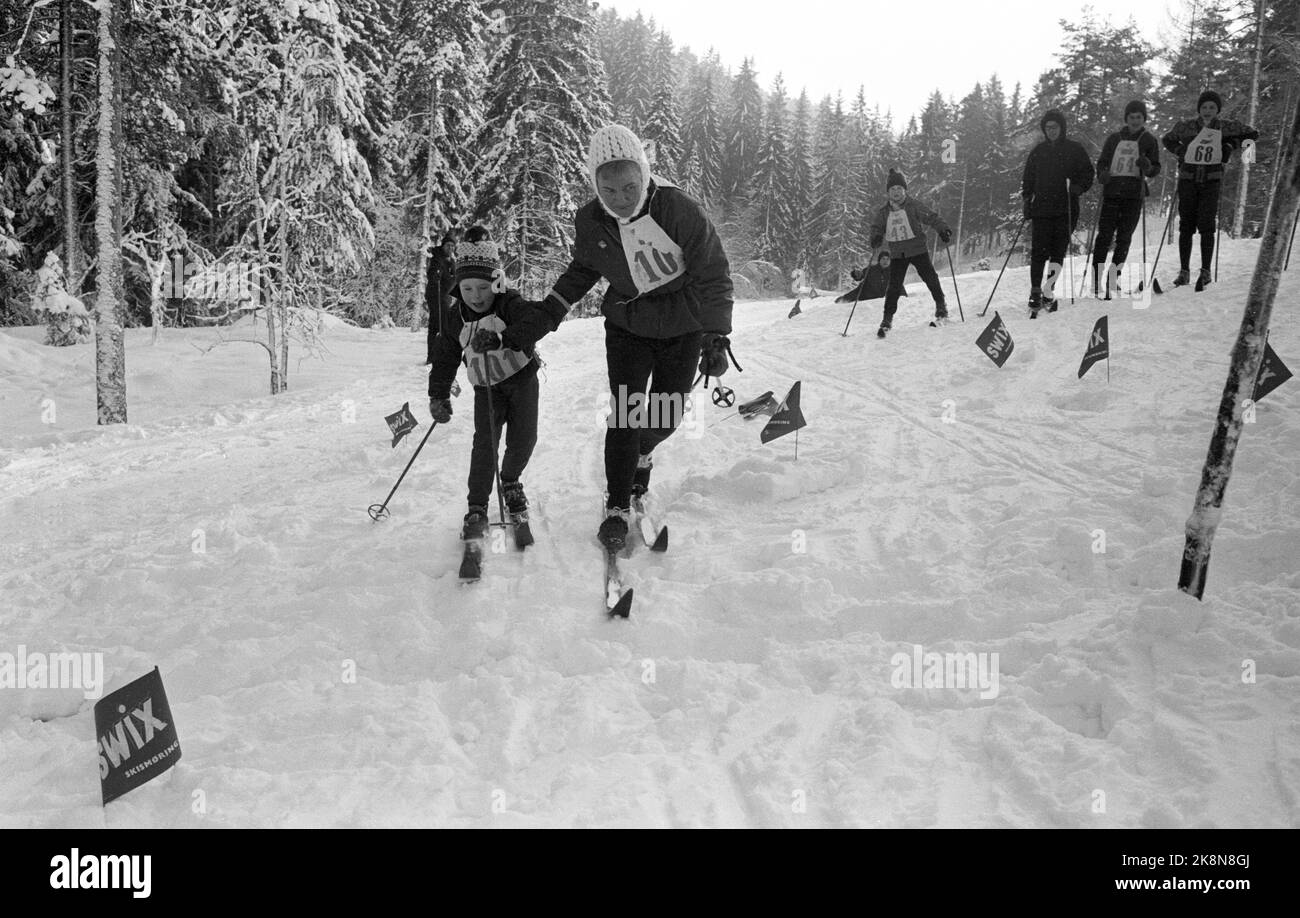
(1144, 235)
(1069, 251)
(380, 511)
(1173, 205)
(1092, 240)
(1294, 224)
(955, 288)
(857, 295)
(1218, 228)
(1011, 249)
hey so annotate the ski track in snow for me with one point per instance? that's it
(751, 687)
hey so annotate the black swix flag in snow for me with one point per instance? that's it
(996, 341)
(794, 312)
(1272, 373)
(787, 419)
(1098, 346)
(136, 736)
(401, 422)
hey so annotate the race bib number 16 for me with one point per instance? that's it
(652, 256)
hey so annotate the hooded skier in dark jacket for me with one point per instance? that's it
(1057, 172)
(667, 308)
(439, 286)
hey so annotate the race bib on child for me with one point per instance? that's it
(1206, 149)
(898, 228)
(1124, 162)
(497, 365)
(652, 257)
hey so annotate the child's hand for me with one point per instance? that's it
(440, 408)
(485, 340)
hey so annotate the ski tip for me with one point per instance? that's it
(622, 608)
(1155, 286)
(661, 541)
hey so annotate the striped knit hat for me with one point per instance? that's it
(614, 143)
(477, 259)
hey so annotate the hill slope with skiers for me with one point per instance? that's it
(938, 504)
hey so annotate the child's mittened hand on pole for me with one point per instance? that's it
(485, 340)
(440, 408)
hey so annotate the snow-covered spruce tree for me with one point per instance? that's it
(834, 224)
(634, 62)
(801, 179)
(742, 135)
(771, 193)
(66, 319)
(702, 135)
(663, 124)
(546, 99)
(437, 81)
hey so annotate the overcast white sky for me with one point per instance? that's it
(900, 52)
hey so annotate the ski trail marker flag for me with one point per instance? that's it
(1098, 348)
(995, 341)
(136, 734)
(787, 418)
(401, 423)
(794, 312)
(1272, 373)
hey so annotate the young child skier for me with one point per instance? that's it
(484, 330)
(1128, 158)
(900, 222)
(872, 281)
(1203, 146)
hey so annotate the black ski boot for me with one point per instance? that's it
(1203, 280)
(1183, 279)
(513, 493)
(613, 529)
(1035, 302)
(476, 524)
(882, 330)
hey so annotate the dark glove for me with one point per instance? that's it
(440, 408)
(1103, 175)
(1144, 165)
(1028, 206)
(856, 274)
(713, 354)
(485, 340)
(945, 235)
(876, 241)
(1075, 187)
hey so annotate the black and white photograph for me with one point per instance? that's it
(551, 414)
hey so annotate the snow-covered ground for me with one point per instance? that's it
(754, 684)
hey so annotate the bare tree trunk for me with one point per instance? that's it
(961, 209)
(429, 160)
(1277, 160)
(71, 223)
(110, 345)
(1244, 184)
(1246, 357)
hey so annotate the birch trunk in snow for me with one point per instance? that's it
(1244, 185)
(110, 351)
(422, 284)
(71, 234)
(1246, 356)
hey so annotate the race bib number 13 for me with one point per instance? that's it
(652, 256)
(1206, 149)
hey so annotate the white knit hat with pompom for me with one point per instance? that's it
(613, 143)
